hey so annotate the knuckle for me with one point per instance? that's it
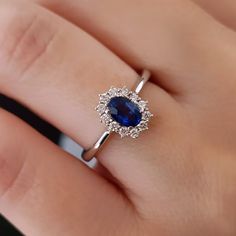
(27, 33)
(15, 176)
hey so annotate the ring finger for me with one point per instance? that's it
(58, 70)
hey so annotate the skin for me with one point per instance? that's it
(179, 177)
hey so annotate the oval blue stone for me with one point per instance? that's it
(124, 111)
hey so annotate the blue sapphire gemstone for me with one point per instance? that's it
(124, 111)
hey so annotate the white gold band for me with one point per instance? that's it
(88, 154)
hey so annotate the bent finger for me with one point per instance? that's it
(45, 191)
(177, 40)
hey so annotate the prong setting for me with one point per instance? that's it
(114, 126)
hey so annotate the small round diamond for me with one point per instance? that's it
(123, 112)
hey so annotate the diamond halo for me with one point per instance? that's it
(114, 126)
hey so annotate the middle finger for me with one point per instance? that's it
(177, 40)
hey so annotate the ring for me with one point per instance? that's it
(123, 112)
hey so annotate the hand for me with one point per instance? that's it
(179, 177)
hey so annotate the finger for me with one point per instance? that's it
(44, 191)
(57, 73)
(224, 11)
(57, 70)
(175, 39)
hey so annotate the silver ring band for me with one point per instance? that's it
(88, 154)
